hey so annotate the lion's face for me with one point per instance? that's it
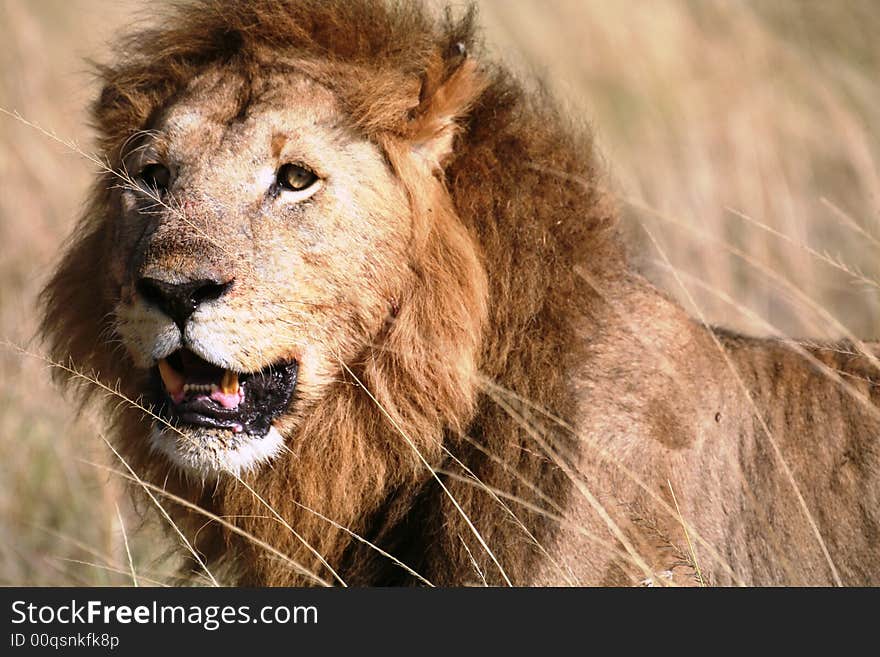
(261, 246)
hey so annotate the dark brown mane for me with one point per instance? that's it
(522, 181)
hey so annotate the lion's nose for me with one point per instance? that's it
(180, 300)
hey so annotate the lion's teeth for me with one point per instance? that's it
(173, 380)
(229, 383)
(200, 387)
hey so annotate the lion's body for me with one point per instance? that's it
(691, 409)
(487, 391)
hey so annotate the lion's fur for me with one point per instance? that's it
(515, 270)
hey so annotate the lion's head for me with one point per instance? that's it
(262, 246)
(320, 221)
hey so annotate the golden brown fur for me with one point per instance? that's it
(517, 347)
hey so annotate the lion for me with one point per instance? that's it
(367, 299)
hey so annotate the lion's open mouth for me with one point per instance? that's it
(192, 391)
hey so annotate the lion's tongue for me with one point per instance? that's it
(228, 399)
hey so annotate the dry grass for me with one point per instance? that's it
(730, 129)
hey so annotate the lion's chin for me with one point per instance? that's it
(208, 453)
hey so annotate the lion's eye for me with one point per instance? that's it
(295, 178)
(156, 177)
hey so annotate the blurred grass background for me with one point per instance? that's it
(720, 122)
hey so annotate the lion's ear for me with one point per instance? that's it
(449, 89)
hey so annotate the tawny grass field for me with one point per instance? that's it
(741, 138)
